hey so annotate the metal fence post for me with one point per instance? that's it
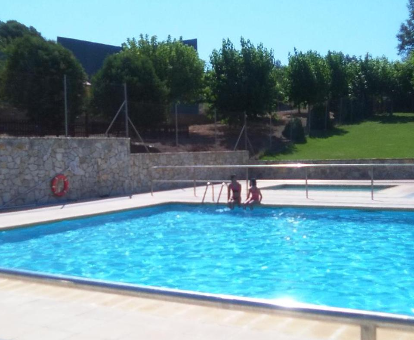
(176, 124)
(372, 183)
(215, 127)
(194, 179)
(245, 131)
(306, 181)
(247, 181)
(126, 111)
(151, 180)
(270, 130)
(66, 105)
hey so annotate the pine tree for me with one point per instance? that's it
(406, 34)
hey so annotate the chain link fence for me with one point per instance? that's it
(36, 105)
(32, 105)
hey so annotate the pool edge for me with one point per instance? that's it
(308, 311)
(159, 204)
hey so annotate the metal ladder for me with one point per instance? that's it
(209, 184)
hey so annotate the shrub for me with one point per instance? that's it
(318, 120)
(294, 131)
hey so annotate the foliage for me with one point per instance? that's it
(320, 119)
(279, 78)
(12, 29)
(294, 131)
(403, 98)
(175, 63)
(147, 94)
(242, 80)
(338, 65)
(406, 34)
(9, 31)
(380, 137)
(33, 79)
(308, 78)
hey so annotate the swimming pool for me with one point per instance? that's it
(329, 257)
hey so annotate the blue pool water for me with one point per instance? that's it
(340, 258)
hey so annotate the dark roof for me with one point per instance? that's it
(92, 55)
(191, 42)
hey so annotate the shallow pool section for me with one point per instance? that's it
(340, 258)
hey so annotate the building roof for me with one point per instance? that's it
(92, 55)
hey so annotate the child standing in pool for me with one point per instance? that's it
(254, 195)
(234, 192)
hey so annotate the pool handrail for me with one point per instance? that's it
(221, 189)
(205, 192)
(305, 166)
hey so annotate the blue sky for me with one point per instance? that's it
(353, 26)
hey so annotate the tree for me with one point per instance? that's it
(308, 78)
(339, 85)
(147, 94)
(242, 81)
(9, 31)
(406, 33)
(404, 91)
(33, 80)
(176, 64)
(279, 79)
(299, 79)
(12, 29)
(358, 91)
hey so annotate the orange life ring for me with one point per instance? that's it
(57, 188)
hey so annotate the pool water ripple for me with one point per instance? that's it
(341, 258)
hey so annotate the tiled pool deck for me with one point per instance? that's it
(49, 310)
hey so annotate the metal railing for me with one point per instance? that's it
(208, 185)
(221, 190)
(205, 191)
(304, 166)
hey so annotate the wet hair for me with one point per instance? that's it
(232, 177)
(253, 182)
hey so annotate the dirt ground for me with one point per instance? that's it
(261, 134)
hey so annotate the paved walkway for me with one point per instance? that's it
(400, 195)
(34, 310)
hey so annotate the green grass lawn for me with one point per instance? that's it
(380, 137)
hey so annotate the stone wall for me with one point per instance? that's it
(104, 167)
(95, 167)
(338, 173)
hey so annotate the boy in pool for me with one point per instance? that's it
(254, 195)
(234, 190)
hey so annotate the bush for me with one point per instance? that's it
(294, 131)
(318, 120)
